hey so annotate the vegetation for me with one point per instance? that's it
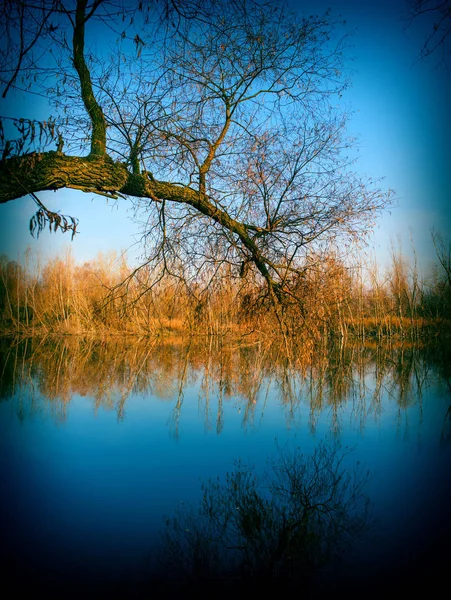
(266, 543)
(265, 533)
(437, 39)
(333, 300)
(221, 122)
(46, 373)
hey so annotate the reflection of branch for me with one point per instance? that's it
(131, 383)
(446, 429)
(300, 512)
(249, 373)
(180, 396)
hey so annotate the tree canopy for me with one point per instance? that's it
(222, 122)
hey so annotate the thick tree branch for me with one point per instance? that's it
(237, 106)
(98, 136)
(36, 172)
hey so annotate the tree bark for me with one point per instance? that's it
(35, 172)
(98, 135)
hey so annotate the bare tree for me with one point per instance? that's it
(271, 530)
(222, 122)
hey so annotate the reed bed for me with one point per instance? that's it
(106, 296)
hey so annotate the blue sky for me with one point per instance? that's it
(402, 120)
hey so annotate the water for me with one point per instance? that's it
(99, 441)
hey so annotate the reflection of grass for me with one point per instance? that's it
(110, 369)
(274, 530)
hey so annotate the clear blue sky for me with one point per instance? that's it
(402, 119)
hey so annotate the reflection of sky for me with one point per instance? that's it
(402, 121)
(86, 495)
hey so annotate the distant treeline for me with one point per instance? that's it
(106, 295)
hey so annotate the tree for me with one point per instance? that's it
(440, 30)
(222, 122)
(266, 532)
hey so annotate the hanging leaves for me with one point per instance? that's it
(139, 45)
(54, 220)
(33, 136)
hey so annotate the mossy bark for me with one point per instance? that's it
(36, 172)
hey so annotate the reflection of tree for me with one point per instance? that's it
(439, 358)
(313, 380)
(270, 530)
(16, 379)
(132, 379)
(446, 429)
(175, 417)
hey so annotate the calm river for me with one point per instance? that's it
(102, 440)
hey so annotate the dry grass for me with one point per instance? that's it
(100, 298)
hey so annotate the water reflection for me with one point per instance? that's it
(101, 439)
(272, 531)
(109, 371)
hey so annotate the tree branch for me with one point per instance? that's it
(36, 172)
(98, 136)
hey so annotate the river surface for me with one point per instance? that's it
(100, 441)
